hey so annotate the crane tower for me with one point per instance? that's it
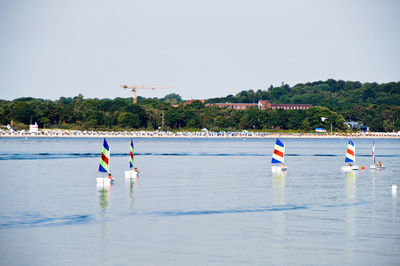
(134, 89)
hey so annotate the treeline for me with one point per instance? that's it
(376, 105)
(335, 95)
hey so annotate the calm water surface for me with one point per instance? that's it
(197, 201)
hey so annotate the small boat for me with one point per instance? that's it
(104, 166)
(278, 157)
(132, 172)
(350, 157)
(375, 166)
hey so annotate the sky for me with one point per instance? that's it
(203, 49)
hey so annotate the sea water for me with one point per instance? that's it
(197, 201)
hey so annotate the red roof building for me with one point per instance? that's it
(190, 101)
(262, 105)
(238, 106)
(290, 106)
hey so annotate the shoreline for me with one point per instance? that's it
(189, 135)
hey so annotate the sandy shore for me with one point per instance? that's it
(183, 134)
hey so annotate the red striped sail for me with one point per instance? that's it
(105, 158)
(278, 155)
(131, 152)
(351, 152)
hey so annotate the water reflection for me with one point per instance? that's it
(373, 181)
(278, 218)
(373, 186)
(104, 200)
(104, 196)
(132, 189)
(278, 188)
(394, 201)
(351, 213)
(394, 192)
(351, 184)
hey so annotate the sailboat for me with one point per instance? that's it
(278, 157)
(104, 166)
(132, 172)
(350, 157)
(375, 166)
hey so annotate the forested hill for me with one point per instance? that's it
(335, 95)
(376, 105)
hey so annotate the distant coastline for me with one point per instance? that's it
(185, 134)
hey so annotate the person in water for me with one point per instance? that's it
(109, 176)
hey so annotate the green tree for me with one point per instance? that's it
(172, 98)
(22, 112)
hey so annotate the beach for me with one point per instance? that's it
(185, 134)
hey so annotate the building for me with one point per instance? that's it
(291, 106)
(34, 128)
(356, 125)
(262, 105)
(238, 106)
(190, 101)
(320, 129)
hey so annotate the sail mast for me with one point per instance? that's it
(373, 151)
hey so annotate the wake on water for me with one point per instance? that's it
(46, 156)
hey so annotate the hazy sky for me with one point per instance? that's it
(204, 49)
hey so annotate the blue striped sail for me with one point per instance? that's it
(278, 155)
(105, 158)
(351, 152)
(131, 152)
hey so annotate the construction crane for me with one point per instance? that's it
(135, 87)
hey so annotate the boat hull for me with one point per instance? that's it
(103, 181)
(375, 167)
(350, 168)
(131, 174)
(277, 169)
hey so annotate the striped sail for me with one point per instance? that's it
(131, 155)
(373, 151)
(105, 158)
(351, 152)
(278, 156)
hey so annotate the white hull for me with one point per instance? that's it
(277, 169)
(349, 168)
(375, 167)
(131, 174)
(103, 181)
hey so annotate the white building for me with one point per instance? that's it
(34, 128)
(320, 129)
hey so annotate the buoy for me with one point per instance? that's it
(362, 167)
